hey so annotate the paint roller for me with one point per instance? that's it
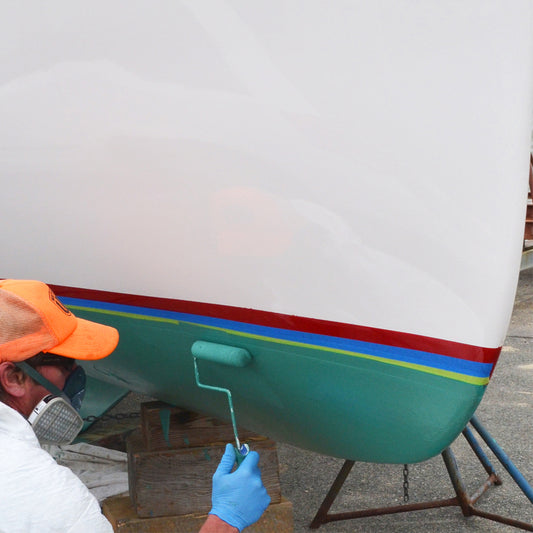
(229, 356)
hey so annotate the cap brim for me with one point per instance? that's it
(88, 341)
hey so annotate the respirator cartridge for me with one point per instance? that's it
(55, 421)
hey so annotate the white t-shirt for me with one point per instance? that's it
(36, 494)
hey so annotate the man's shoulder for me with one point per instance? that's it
(14, 427)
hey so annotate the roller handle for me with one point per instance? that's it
(241, 453)
(221, 353)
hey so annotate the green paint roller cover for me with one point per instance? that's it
(220, 353)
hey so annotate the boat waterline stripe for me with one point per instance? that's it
(450, 367)
(298, 324)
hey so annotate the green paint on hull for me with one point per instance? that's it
(323, 400)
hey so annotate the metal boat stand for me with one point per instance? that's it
(462, 499)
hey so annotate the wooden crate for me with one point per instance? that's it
(278, 518)
(165, 426)
(166, 481)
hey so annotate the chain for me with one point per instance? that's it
(118, 416)
(405, 483)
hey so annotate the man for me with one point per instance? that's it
(40, 388)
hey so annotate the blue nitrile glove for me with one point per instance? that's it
(239, 498)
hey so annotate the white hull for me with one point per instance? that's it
(351, 161)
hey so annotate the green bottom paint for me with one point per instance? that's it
(329, 402)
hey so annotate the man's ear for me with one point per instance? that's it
(12, 379)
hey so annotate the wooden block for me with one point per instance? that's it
(178, 481)
(165, 426)
(278, 518)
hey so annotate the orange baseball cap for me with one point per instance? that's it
(33, 320)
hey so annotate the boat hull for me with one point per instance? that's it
(338, 187)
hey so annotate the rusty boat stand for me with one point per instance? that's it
(462, 498)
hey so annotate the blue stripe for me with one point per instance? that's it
(442, 362)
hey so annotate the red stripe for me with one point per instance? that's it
(291, 322)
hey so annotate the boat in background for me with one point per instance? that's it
(338, 188)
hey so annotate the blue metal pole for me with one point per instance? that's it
(519, 479)
(481, 455)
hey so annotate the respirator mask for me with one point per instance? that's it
(55, 419)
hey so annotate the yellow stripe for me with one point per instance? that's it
(421, 368)
(125, 315)
(472, 380)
